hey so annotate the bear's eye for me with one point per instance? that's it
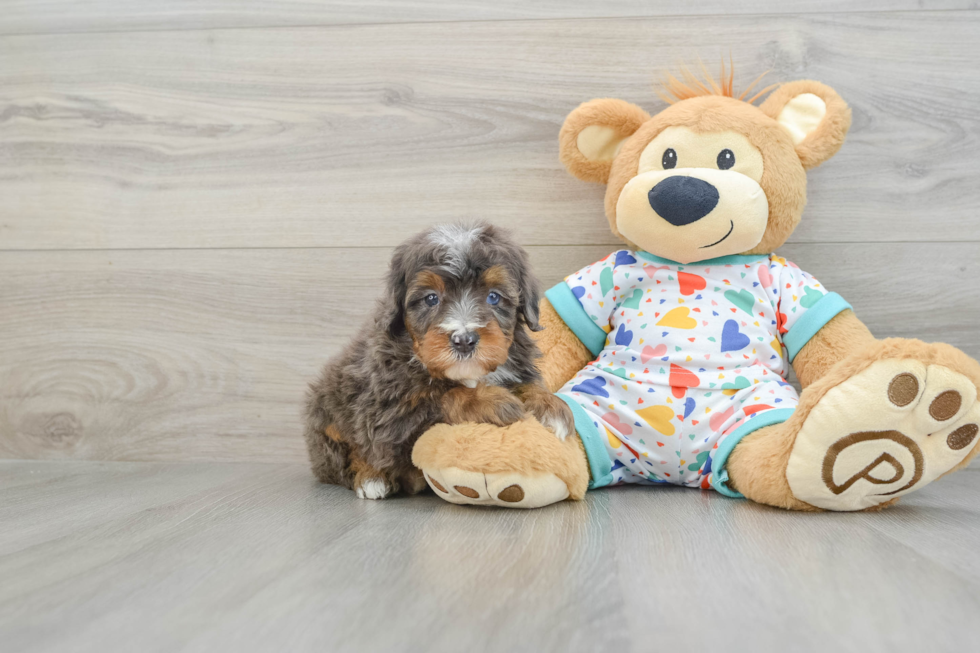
(726, 159)
(670, 158)
(431, 299)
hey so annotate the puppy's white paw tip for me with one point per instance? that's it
(557, 427)
(373, 488)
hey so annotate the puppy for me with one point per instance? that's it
(449, 343)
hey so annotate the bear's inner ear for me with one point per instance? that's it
(599, 143)
(802, 115)
(814, 115)
(593, 133)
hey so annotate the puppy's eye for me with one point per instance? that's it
(493, 299)
(670, 158)
(726, 159)
(431, 299)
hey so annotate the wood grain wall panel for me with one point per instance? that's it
(204, 354)
(55, 16)
(359, 135)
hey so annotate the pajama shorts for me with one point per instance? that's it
(666, 439)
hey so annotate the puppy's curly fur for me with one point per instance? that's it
(449, 343)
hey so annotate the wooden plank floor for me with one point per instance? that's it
(210, 557)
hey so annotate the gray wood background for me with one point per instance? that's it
(197, 199)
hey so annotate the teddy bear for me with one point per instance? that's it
(673, 352)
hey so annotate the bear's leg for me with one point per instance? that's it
(757, 466)
(877, 426)
(523, 465)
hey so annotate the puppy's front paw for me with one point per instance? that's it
(505, 410)
(483, 404)
(412, 481)
(372, 488)
(553, 413)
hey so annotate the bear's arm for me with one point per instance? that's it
(562, 353)
(835, 341)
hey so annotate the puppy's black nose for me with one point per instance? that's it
(464, 343)
(683, 200)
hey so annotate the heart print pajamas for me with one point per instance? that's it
(689, 359)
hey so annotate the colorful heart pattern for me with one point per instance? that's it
(718, 420)
(744, 299)
(612, 419)
(623, 336)
(606, 281)
(658, 417)
(810, 297)
(764, 277)
(740, 383)
(594, 386)
(694, 353)
(681, 379)
(678, 318)
(649, 352)
(634, 301)
(624, 258)
(732, 339)
(690, 283)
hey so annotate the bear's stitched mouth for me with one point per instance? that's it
(722, 238)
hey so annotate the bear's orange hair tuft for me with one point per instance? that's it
(675, 90)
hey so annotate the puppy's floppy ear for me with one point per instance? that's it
(392, 302)
(530, 289)
(519, 268)
(528, 286)
(592, 134)
(814, 115)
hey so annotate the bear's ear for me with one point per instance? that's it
(592, 133)
(814, 115)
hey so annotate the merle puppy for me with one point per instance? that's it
(449, 343)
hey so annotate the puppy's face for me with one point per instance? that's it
(462, 327)
(461, 293)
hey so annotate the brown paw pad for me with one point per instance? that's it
(903, 389)
(467, 491)
(436, 485)
(962, 437)
(511, 494)
(945, 405)
(898, 470)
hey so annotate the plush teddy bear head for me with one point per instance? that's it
(711, 174)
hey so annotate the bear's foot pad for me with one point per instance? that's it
(507, 490)
(889, 430)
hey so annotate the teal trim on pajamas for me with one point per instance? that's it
(732, 259)
(570, 310)
(826, 308)
(599, 464)
(719, 475)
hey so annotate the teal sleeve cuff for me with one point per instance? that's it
(599, 464)
(570, 310)
(826, 308)
(719, 475)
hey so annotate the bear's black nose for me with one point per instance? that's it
(683, 200)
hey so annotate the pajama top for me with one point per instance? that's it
(689, 359)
